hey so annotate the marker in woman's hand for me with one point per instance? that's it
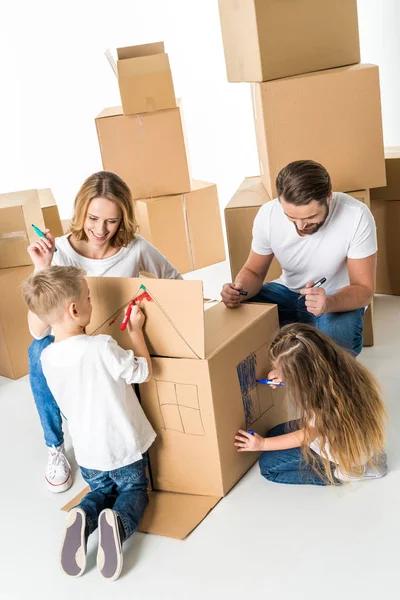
(40, 233)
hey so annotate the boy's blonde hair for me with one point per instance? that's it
(48, 291)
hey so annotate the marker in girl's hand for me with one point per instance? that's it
(270, 382)
(40, 233)
(250, 431)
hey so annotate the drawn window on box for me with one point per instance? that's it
(257, 399)
(179, 407)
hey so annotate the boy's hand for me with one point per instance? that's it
(136, 320)
(249, 442)
(275, 376)
(41, 252)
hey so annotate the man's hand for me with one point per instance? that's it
(230, 295)
(316, 299)
(249, 442)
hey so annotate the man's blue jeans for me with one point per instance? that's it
(49, 413)
(344, 328)
(124, 490)
(289, 466)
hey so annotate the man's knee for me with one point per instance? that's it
(344, 328)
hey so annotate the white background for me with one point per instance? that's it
(55, 80)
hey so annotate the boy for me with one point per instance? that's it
(90, 379)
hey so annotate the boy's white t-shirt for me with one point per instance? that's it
(348, 232)
(90, 379)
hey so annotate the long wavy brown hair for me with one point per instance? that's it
(105, 184)
(334, 394)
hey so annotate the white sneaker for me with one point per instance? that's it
(377, 471)
(58, 472)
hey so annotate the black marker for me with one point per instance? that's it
(319, 283)
(243, 293)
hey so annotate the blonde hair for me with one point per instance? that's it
(105, 184)
(48, 291)
(334, 394)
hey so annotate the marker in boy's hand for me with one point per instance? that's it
(249, 441)
(136, 320)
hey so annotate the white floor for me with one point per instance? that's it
(277, 541)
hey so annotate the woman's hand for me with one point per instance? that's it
(249, 442)
(41, 252)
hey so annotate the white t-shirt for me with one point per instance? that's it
(138, 256)
(90, 379)
(348, 232)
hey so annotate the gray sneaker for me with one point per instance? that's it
(73, 549)
(376, 471)
(109, 553)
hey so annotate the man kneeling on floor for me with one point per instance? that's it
(90, 378)
(326, 245)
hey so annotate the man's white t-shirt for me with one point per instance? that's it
(348, 232)
(90, 379)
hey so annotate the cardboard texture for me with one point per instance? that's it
(15, 337)
(333, 117)
(188, 217)
(148, 151)
(387, 218)
(198, 398)
(50, 212)
(145, 79)
(240, 213)
(18, 210)
(310, 34)
(66, 224)
(392, 189)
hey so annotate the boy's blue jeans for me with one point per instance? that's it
(49, 413)
(344, 328)
(124, 490)
(289, 466)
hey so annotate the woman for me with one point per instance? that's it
(102, 241)
(339, 436)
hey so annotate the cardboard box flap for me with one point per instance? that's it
(251, 193)
(168, 514)
(174, 312)
(223, 324)
(139, 51)
(111, 111)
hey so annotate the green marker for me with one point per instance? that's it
(40, 233)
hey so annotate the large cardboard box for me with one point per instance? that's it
(15, 338)
(148, 151)
(270, 39)
(144, 78)
(203, 390)
(333, 117)
(18, 210)
(387, 218)
(186, 228)
(392, 189)
(50, 212)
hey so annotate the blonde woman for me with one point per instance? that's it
(103, 241)
(340, 433)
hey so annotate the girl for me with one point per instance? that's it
(340, 433)
(103, 241)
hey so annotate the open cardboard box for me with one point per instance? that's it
(204, 388)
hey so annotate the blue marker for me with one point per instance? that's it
(250, 431)
(270, 382)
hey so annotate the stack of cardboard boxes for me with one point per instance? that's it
(311, 100)
(18, 210)
(143, 141)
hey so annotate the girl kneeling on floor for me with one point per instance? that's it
(340, 433)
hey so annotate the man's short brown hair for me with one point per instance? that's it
(303, 181)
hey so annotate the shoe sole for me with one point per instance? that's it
(73, 549)
(61, 487)
(109, 554)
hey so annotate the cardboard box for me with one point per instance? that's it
(201, 359)
(50, 212)
(270, 39)
(148, 151)
(332, 117)
(15, 338)
(387, 218)
(144, 78)
(240, 213)
(66, 225)
(392, 189)
(186, 228)
(18, 210)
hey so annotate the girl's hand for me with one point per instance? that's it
(136, 320)
(275, 376)
(41, 252)
(249, 442)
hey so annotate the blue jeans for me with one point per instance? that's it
(344, 328)
(49, 413)
(124, 490)
(289, 466)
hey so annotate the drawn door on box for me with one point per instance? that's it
(257, 399)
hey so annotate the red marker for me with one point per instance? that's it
(127, 315)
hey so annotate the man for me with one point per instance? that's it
(314, 233)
